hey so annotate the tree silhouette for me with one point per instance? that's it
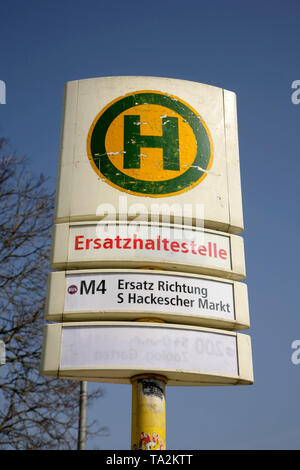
(35, 412)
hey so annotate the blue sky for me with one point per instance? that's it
(250, 48)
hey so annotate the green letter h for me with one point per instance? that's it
(133, 141)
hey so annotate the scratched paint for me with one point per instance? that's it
(152, 149)
(148, 413)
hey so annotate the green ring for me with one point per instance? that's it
(128, 183)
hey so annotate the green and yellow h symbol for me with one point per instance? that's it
(133, 141)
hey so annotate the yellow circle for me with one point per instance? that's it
(114, 147)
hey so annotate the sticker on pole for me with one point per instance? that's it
(149, 143)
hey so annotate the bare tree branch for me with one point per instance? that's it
(35, 412)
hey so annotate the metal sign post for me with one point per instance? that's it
(2, 353)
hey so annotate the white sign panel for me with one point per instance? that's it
(185, 248)
(135, 294)
(2, 352)
(116, 351)
(148, 146)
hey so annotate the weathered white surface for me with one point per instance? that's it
(115, 352)
(80, 190)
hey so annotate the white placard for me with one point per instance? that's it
(157, 293)
(149, 243)
(148, 348)
(117, 351)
